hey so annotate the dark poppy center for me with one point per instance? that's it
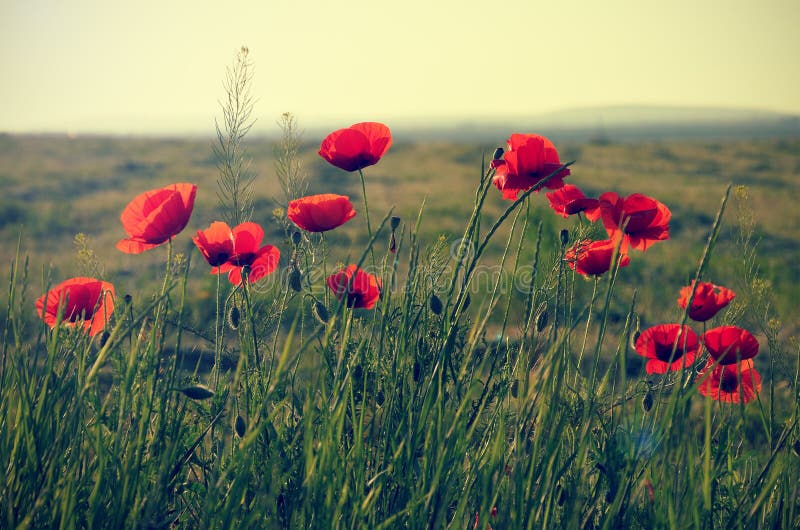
(728, 382)
(219, 259)
(664, 352)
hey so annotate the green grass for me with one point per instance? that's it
(408, 415)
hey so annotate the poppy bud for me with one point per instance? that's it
(128, 299)
(541, 320)
(498, 153)
(233, 318)
(197, 392)
(297, 237)
(564, 235)
(104, 338)
(296, 280)
(321, 312)
(415, 372)
(394, 222)
(240, 426)
(647, 401)
(436, 305)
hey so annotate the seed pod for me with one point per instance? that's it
(498, 153)
(415, 371)
(296, 279)
(394, 222)
(541, 320)
(436, 305)
(647, 401)
(240, 426)
(197, 392)
(297, 237)
(564, 235)
(233, 317)
(321, 312)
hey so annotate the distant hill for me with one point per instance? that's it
(619, 123)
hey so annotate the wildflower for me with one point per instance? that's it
(86, 303)
(727, 344)
(730, 383)
(528, 159)
(215, 243)
(357, 146)
(636, 219)
(247, 253)
(708, 300)
(361, 288)
(569, 200)
(593, 258)
(155, 216)
(669, 347)
(320, 213)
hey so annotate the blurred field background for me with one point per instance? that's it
(56, 186)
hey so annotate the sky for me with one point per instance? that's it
(158, 66)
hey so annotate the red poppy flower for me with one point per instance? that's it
(658, 344)
(247, 252)
(361, 288)
(528, 159)
(645, 220)
(155, 216)
(569, 200)
(729, 383)
(86, 302)
(320, 213)
(357, 146)
(708, 300)
(593, 258)
(215, 243)
(727, 344)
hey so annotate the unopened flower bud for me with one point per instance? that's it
(128, 299)
(233, 317)
(104, 338)
(436, 305)
(647, 401)
(498, 153)
(564, 237)
(394, 222)
(297, 237)
(240, 426)
(321, 312)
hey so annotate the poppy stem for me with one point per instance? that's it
(366, 213)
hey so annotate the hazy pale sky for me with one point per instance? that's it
(149, 66)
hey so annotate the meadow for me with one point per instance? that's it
(490, 385)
